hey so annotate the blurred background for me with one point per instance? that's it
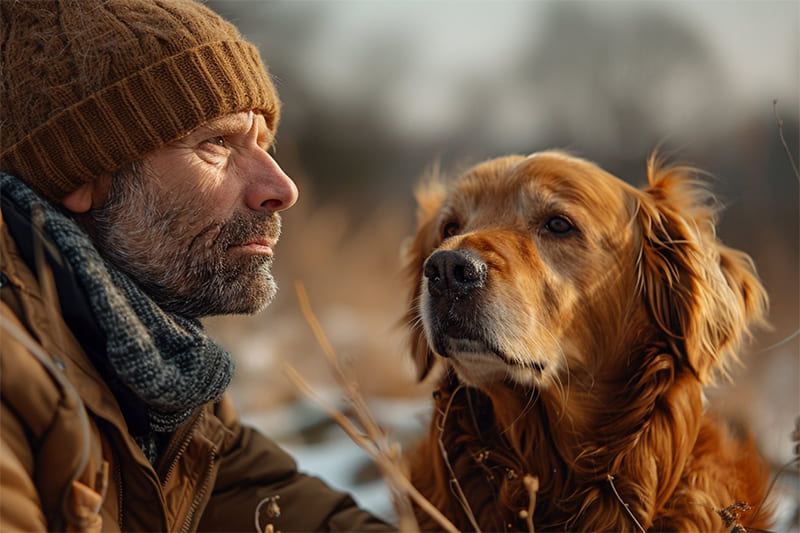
(377, 92)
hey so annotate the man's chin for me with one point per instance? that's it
(258, 305)
(236, 298)
(247, 302)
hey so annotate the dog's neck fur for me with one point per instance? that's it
(569, 441)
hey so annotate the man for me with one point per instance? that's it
(138, 195)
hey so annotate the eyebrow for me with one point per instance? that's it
(225, 125)
(235, 124)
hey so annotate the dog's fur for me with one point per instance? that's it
(577, 320)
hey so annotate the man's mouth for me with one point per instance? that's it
(256, 246)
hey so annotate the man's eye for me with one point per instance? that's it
(217, 141)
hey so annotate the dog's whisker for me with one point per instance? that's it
(532, 396)
(557, 383)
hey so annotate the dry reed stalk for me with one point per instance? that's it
(373, 439)
(23, 337)
(624, 505)
(783, 139)
(49, 295)
(455, 486)
(782, 470)
(532, 485)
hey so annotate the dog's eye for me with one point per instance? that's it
(450, 229)
(558, 225)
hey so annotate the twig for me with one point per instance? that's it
(783, 139)
(772, 483)
(373, 440)
(455, 486)
(352, 393)
(24, 338)
(779, 343)
(391, 471)
(625, 505)
(532, 485)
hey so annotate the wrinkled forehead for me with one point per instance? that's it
(547, 178)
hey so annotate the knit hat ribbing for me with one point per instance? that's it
(87, 87)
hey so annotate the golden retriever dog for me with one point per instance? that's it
(574, 321)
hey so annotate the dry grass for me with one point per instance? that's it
(370, 437)
(387, 455)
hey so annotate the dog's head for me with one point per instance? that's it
(526, 268)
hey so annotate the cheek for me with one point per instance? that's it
(210, 189)
(523, 278)
(191, 222)
(599, 302)
(552, 285)
(207, 203)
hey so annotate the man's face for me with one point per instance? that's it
(196, 223)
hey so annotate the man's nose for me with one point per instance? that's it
(269, 188)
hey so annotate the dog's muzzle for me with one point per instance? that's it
(454, 280)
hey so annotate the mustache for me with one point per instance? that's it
(242, 228)
(238, 229)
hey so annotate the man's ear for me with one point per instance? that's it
(89, 195)
(79, 200)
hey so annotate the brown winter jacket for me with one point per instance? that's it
(67, 461)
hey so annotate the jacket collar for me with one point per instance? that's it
(74, 306)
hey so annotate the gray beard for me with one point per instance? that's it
(191, 273)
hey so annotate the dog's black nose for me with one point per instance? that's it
(454, 271)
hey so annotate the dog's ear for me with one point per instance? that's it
(430, 194)
(702, 295)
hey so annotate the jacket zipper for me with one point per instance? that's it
(183, 440)
(200, 494)
(121, 496)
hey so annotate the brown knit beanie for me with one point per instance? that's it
(88, 86)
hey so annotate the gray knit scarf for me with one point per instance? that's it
(166, 360)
